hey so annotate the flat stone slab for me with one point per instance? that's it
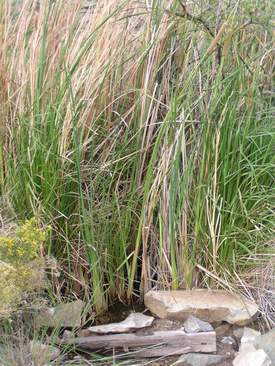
(208, 305)
(133, 321)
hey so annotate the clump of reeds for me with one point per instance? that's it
(143, 134)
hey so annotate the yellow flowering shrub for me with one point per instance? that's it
(18, 253)
(9, 291)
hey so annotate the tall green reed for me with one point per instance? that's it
(146, 143)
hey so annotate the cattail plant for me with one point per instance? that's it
(141, 131)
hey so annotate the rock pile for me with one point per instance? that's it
(194, 328)
(214, 307)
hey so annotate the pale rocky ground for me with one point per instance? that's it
(229, 316)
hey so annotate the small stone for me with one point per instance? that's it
(66, 315)
(208, 305)
(199, 359)
(133, 321)
(194, 325)
(252, 357)
(249, 335)
(229, 344)
(43, 353)
(228, 340)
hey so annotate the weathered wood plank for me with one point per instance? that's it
(165, 342)
(159, 351)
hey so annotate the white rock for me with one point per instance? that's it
(211, 306)
(194, 325)
(249, 356)
(133, 321)
(247, 347)
(265, 342)
(249, 335)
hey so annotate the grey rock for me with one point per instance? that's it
(267, 343)
(194, 325)
(208, 305)
(199, 359)
(133, 321)
(67, 315)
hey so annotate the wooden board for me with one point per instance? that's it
(161, 343)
